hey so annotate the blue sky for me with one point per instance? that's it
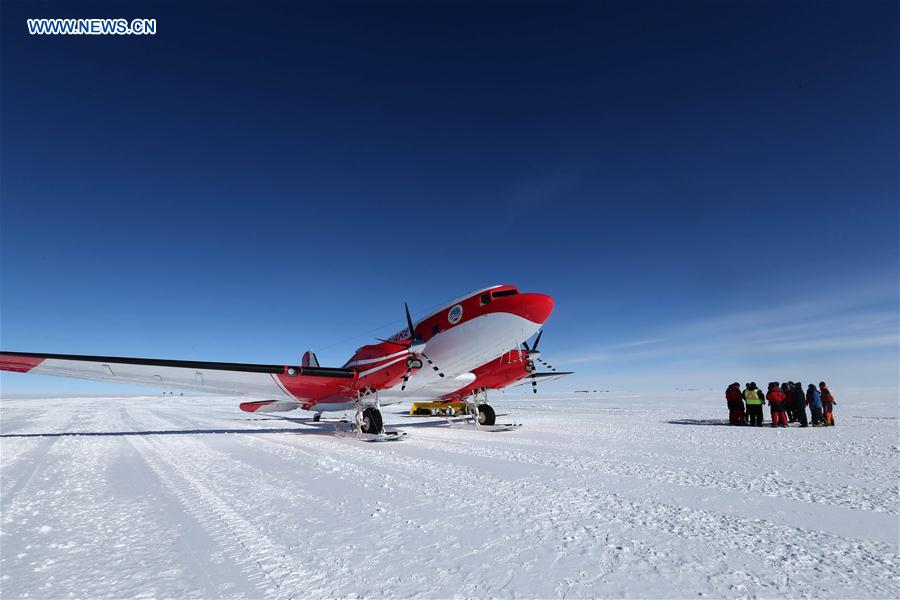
(709, 190)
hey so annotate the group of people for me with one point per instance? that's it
(787, 402)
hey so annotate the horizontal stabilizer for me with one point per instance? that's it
(269, 406)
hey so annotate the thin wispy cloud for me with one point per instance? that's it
(840, 329)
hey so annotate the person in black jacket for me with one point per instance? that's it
(798, 402)
(788, 406)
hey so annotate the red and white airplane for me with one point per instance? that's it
(471, 345)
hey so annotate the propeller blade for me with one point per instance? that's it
(546, 364)
(537, 340)
(409, 322)
(534, 384)
(433, 366)
(527, 349)
(406, 377)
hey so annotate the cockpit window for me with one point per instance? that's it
(485, 299)
(502, 293)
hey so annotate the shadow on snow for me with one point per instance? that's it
(699, 422)
(310, 427)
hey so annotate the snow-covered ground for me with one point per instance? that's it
(638, 495)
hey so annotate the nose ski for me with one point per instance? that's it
(486, 428)
(384, 436)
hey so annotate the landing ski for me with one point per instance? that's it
(385, 436)
(489, 428)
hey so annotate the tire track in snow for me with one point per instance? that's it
(196, 476)
(214, 460)
(261, 559)
(501, 549)
(70, 531)
(371, 526)
(32, 452)
(445, 526)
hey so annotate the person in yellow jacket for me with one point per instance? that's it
(754, 398)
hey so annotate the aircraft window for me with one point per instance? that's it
(485, 299)
(505, 293)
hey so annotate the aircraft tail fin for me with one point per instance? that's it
(309, 359)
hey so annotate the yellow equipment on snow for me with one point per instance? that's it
(438, 409)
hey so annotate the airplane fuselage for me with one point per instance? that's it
(460, 337)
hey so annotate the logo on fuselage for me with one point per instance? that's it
(455, 314)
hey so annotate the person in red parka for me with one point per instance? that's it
(828, 403)
(776, 403)
(786, 390)
(736, 414)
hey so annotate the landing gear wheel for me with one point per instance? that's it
(371, 421)
(316, 417)
(486, 415)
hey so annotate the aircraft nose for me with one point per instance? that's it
(535, 307)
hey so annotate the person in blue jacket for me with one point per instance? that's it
(814, 399)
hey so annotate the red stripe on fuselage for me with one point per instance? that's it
(533, 307)
(19, 364)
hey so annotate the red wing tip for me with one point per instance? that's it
(18, 363)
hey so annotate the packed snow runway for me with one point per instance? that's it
(607, 495)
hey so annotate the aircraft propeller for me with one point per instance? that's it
(416, 347)
(533, 354)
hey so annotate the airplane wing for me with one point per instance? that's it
(272, 382)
